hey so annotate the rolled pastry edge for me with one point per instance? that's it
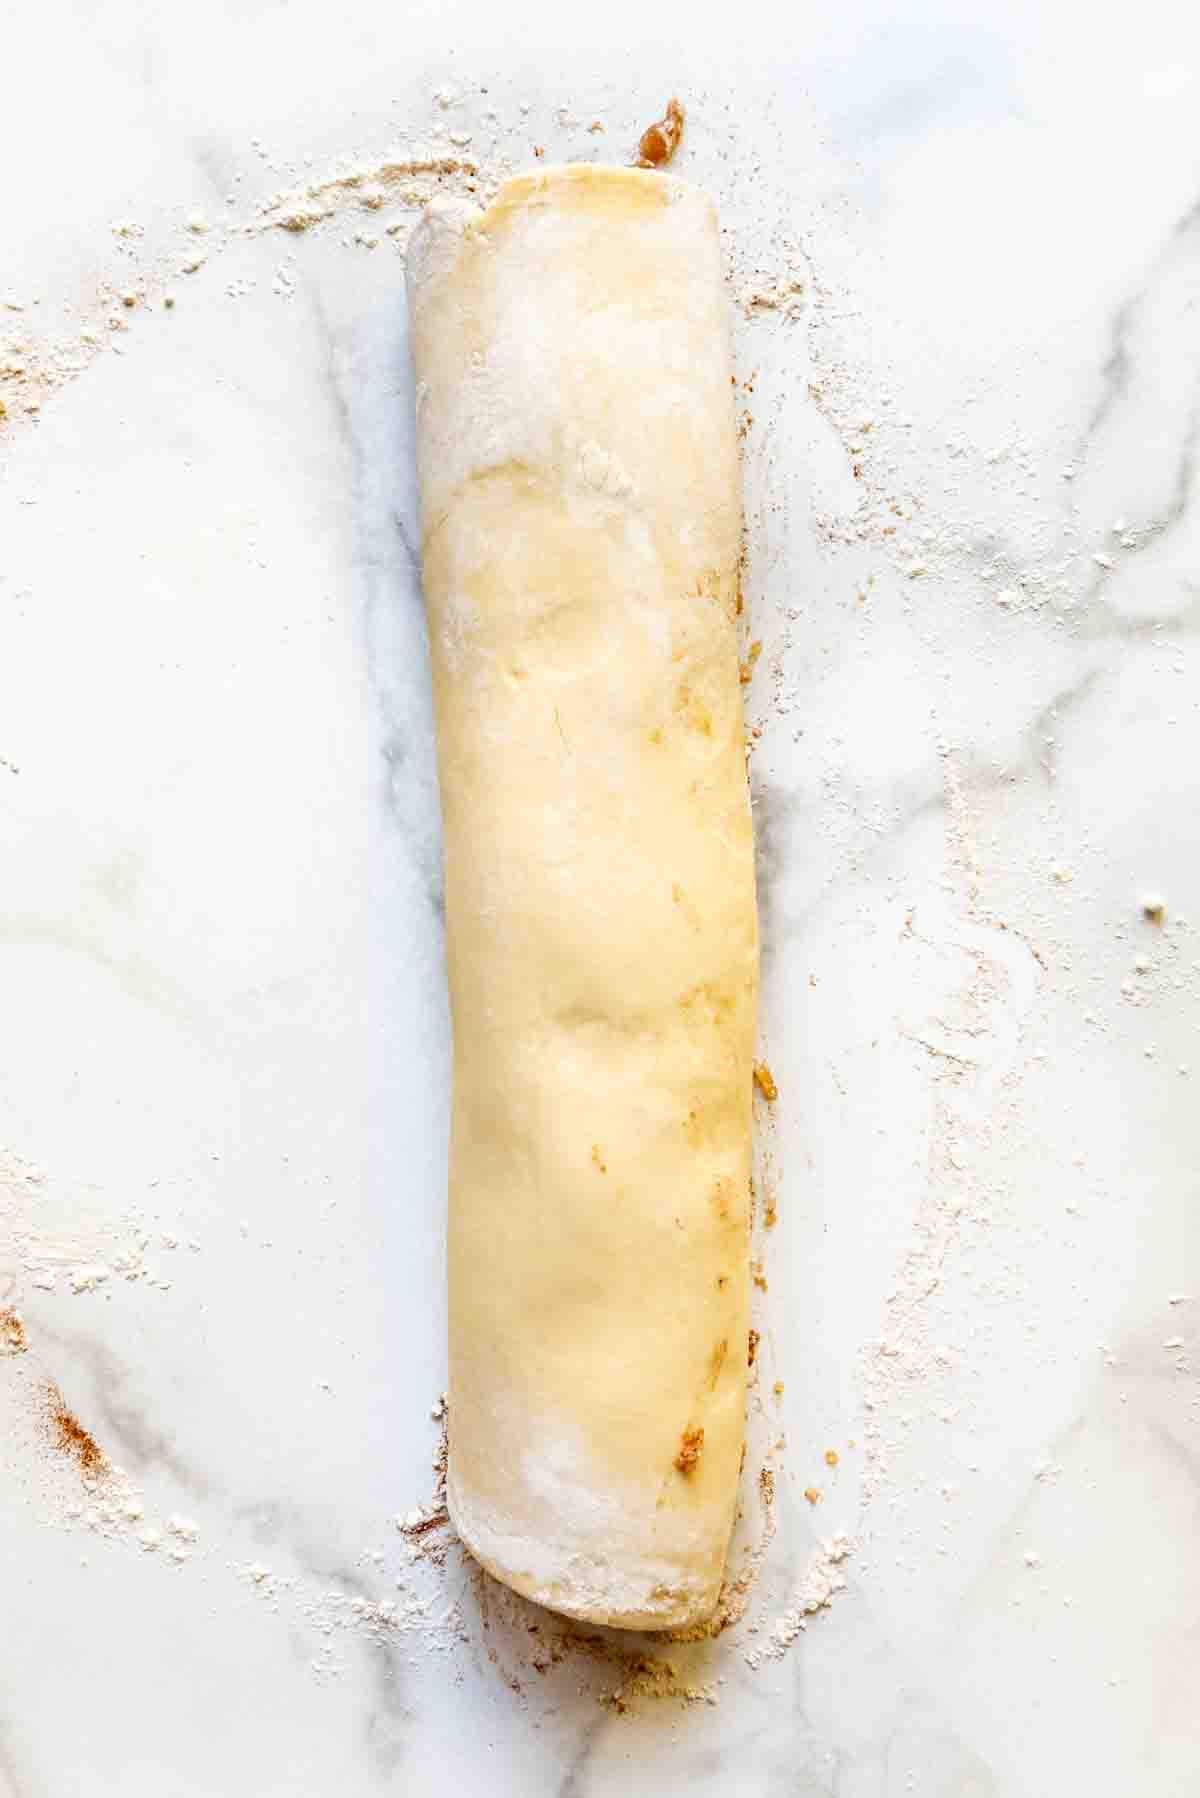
(625, 1588)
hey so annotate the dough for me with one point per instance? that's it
(581, 525)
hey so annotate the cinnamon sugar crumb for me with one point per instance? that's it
(649, 1678)
(690, 1445)
(831, 1457)
(13, 1340)
(420, 1526)
(812, 1495)
(423, 1526)
(70, 1436)
(752, 1350)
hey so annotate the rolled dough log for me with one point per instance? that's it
(581, 524)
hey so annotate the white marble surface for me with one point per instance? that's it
(223, 1051)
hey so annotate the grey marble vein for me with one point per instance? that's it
(576, 1777)
(372, 385)
(1178, 261)
(388, 1712)
(117, 1410)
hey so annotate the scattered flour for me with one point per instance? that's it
(820, 1584)
(782, 295)
(408, 182)
(83, 1262)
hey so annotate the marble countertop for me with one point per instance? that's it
(965, 275)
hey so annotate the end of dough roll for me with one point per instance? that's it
(581, 531)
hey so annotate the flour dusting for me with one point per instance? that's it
(820, 1584)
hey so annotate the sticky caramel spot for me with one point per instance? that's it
(752, 1348)
(831, 1457)
(812, 1495)
(659, 142)
(765, 1082)
(690, 1445)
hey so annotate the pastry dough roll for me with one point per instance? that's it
(581, 529)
